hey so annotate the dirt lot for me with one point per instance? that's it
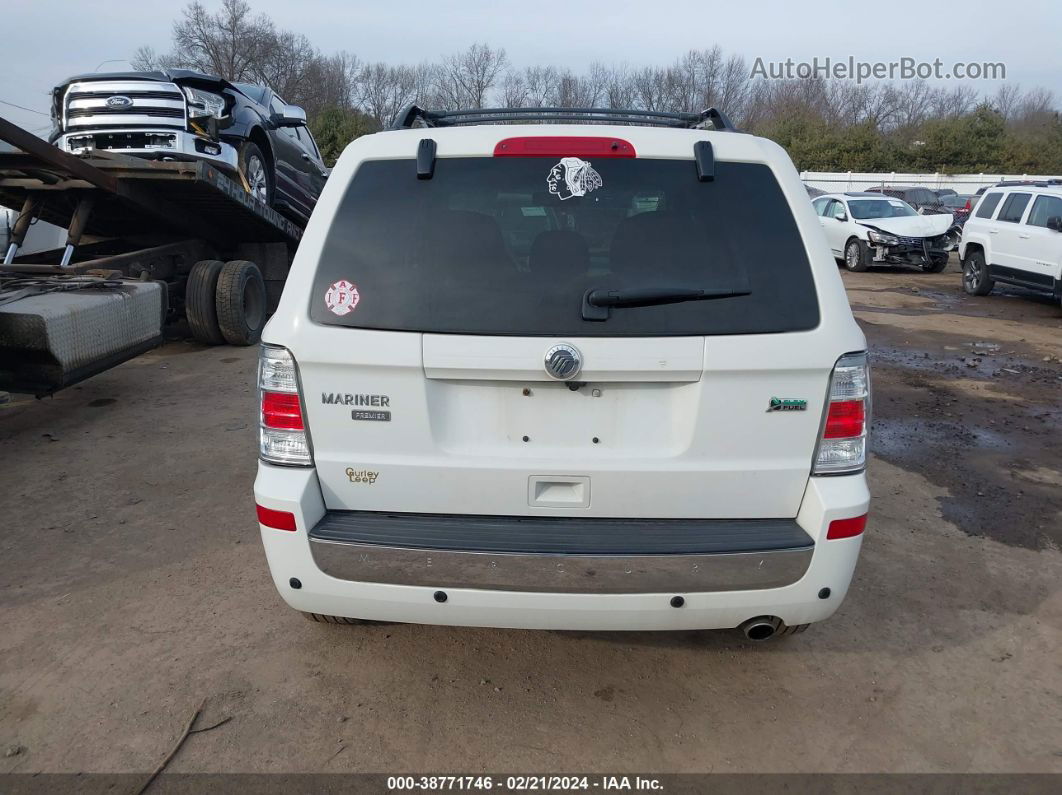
(133, 587)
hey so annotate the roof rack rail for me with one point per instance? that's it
(414, 116)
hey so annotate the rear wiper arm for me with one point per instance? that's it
(597, 303)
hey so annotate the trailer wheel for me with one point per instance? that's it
(241, 302)
(200, 296)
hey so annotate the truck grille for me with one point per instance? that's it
(160, 113)
(151, 104)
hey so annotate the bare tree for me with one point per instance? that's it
(649, 86)
(329, 82)
(514, 90)
(542, 86)
(145, 59)
(1006, 99)
(349, 97)
(286, 62)
(957, 102)
(229, 43)
(464, 79)
(618, 88)
(384, 90)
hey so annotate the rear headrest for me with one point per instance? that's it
(559, 253)
(456, 237)
(645, 240)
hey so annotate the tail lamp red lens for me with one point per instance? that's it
(845, 419)
(846, 528)
(278, 520)
(281, 410)
(564, 146)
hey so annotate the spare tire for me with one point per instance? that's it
(241, 302)
(200, 302)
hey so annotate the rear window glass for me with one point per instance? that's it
(1014, 207)
(509, 246)
(988, 205)
(1045, 207)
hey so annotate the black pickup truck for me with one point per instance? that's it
(245, 130)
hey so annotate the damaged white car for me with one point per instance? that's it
(865, 229)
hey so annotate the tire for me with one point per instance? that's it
(200, 302)
(255, 173)
(856, 256)
(937, 265)
(241, 302)
(975, 280)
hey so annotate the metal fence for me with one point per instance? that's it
(839, 181)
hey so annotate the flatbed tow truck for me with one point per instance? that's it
(149, 244)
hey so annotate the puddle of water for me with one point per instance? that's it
(907, 440)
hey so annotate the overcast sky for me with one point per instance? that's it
(44, 41)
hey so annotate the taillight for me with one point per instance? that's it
(281, 411)
(281, 429)
(968, 206)
(845, 419)
(843, 446)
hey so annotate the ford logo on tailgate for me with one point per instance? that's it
(563, 362)
(119, 102)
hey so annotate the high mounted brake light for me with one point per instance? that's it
(281, 430)
(843, 446)
(564, 146)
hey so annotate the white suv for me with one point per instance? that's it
(1014, 235)
(567, 377)
(865, 229)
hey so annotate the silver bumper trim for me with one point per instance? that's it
(184, 148)
(679, 573)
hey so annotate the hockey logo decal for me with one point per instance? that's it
(572, 177)
(341, 298)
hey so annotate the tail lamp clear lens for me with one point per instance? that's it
(843, 446)
(282, 435)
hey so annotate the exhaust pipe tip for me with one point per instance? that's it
(761, 628)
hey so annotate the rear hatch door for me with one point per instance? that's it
(437, 302)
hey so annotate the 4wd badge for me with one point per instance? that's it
(787, 404)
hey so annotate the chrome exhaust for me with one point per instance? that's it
(761, 628)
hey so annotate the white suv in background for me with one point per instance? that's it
(1014, 236)
(564, 376)
(865, 229)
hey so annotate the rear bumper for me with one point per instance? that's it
(516, 589)
(560, 555)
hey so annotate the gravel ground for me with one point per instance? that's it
(133, 587)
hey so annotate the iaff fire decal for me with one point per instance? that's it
(572, 177)
(342, 297)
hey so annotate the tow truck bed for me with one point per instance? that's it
(136, 228)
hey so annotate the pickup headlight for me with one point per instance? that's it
(883, 239)
(203, 103)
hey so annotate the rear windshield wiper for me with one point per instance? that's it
(597, 303)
